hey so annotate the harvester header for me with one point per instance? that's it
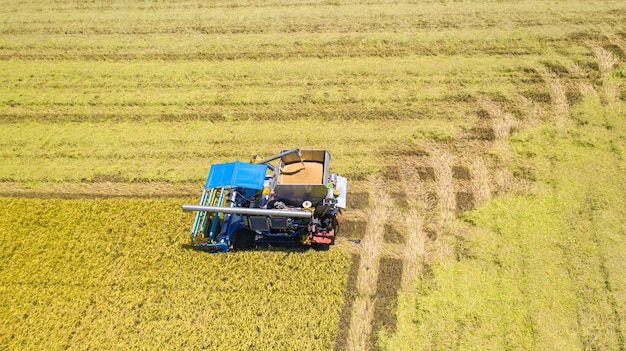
(296, 201)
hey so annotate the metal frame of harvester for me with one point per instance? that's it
(248, 204)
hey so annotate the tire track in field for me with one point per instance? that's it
(437, 183)
(450, 177)
(413, 252)
(419, 196)
(358, 337)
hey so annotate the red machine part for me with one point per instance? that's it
(323, 237)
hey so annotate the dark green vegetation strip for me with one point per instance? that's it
(117, 274)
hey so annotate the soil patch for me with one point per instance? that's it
(351, 229)
(483, 133)
(358, 200)
(426, 173)
(461, 173)
(464, 201)
(400, 199)
(392, 235)
(391, 173)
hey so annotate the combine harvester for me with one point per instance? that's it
(246, 205)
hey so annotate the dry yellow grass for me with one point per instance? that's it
(414, 249)
(480, 180)
(606, 59)
(607, 62)
(413, 252)
(502, 122)
(442, 161)
(556, 88)
(588, 91)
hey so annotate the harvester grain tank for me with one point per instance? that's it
(287, 199)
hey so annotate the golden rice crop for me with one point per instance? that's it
(117, 274)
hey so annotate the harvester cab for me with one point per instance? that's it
(295, 201)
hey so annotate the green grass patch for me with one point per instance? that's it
(538, 271)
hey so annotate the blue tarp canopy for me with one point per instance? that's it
(236, 174)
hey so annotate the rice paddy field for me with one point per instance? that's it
(484, 142)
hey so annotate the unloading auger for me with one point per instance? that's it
(249, 204)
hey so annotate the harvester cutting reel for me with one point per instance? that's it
(248, 204)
